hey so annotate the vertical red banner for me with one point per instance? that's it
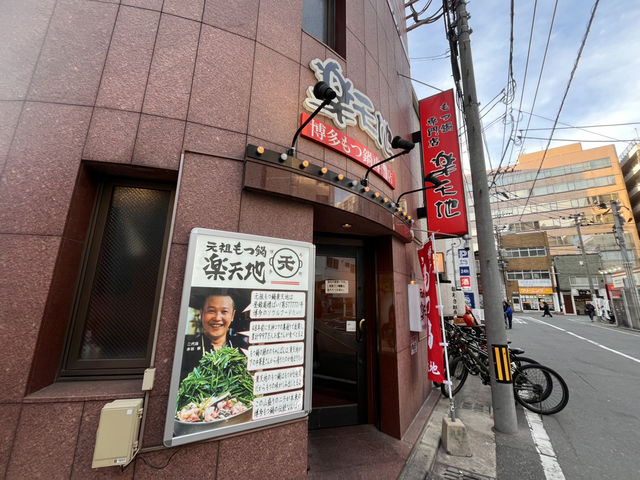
(446, 209)
(434, 341)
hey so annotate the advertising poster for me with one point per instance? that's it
(242, 344)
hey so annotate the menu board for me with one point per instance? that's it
(243, 341)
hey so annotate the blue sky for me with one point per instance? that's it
(604, 89)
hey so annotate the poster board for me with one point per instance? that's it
(246, 325)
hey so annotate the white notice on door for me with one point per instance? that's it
(351, 325)
(336, 286)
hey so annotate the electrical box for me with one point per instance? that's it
(117, 435)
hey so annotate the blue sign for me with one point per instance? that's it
(465, 271)
(469, 300)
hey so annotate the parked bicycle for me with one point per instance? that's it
(535, 387)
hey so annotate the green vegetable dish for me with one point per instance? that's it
(219, 387)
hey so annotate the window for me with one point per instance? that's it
(117, 294)
(325, 21)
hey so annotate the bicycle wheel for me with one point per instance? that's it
(459, 375)
(540, 389)
(520, 361)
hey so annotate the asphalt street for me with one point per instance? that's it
(597, 435)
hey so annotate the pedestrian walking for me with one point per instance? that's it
(508, 314)
(590, 309)
(545, 307)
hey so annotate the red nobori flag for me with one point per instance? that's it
(446, 209)
(434, 340)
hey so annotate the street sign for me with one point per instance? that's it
(465, 271)
(465, 282)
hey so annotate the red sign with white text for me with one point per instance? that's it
(446, 209)
(434, 340)
(328, 136)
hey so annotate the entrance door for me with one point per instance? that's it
(339, 344)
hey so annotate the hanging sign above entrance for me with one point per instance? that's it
(446, 209)
(334, 139)
(351, 107)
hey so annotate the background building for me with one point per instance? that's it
(573, 284)
(545, 190)
(124, 126)
(630, 164)
(527, 270)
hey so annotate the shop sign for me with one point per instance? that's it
(535, 290)
(434, 332)
(465, 271)
(463, 257)
(469, 299)
(336, 286)
(334, 139)
(249, 296)
(465, 282)
(351, 107)
(446, 209)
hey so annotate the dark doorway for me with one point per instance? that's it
(339, 345)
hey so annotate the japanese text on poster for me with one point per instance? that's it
(268, 331)
(277, 304)
(271, 381)
(261, 357)
(278, 404)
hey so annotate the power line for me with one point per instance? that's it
(585, 126)
(544, 59)
(564, 97)
(572, 139)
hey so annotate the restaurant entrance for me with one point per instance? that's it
(339, 346)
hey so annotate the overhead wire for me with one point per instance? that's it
(564, 97)
(544, 59)
(524, 79)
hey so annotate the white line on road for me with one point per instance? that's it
(550, 465)
(587, 340)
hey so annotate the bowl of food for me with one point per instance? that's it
(218, 392)
(212, 412)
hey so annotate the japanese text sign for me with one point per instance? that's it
(434, 339)
(241, 351)
(446, 209)
(334, 139)
(351, 107)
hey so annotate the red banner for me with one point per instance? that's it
(336, 140)
(434, 341)
(446, 210)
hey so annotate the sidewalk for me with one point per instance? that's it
(428, 459)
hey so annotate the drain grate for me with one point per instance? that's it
(442, 471)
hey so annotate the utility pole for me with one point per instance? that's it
(577, 218)
(505, 419)
(628, 265)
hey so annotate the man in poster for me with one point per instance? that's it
(217, 312)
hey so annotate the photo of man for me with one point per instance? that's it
(218, 312)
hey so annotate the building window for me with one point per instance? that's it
(117, 294)
(325, 21)
(525, 252)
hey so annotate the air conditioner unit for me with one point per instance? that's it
(117, 435)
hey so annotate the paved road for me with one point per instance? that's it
(597, 435)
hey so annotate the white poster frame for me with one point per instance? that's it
(194, 279)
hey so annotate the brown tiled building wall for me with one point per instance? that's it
(133, 84)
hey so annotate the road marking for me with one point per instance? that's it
(612, 328)
(542, 442)
(587, 340)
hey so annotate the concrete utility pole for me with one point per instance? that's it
(505, 419)
(577, 218)
(634, 319)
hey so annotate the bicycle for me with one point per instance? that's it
(536, 387)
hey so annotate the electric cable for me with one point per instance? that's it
(566, 92)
